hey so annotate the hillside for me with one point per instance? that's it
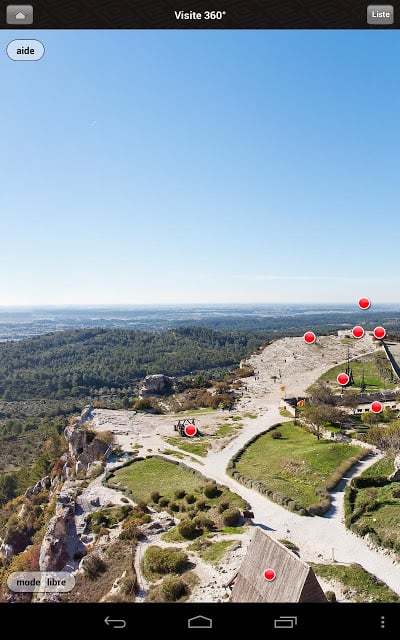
(87, 362)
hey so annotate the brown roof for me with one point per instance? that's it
(295, 581)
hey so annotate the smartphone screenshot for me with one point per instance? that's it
(200, 317)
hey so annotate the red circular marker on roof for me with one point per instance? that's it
(343, 379)
(309, 337)
(190, 430)
(376, 407)
(364, 303)
(358, 332)
(379, 332)
(269, 575)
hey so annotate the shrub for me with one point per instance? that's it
(231, 518)
(173, 589)
(211, 491)
(128, 586)
(174, 506)
(94, 566)
(188, 529)
(163, 502)
(330, 596)
(155, 496)
(168, 560)
(321, 507)
(223, 506)
(290, 545)
(201, 504)
(395, 493)
(276, 435)
(179, 494)
(190, 498)
(204, 522)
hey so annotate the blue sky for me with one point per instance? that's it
(200, 166)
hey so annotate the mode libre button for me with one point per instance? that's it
(380, 14)
(41, 581)
(25, 50)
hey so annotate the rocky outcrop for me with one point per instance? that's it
(6, 550)
(93, 452)
(86, 414)
(156, 385)
(76, 439)
(53, 552)
(84, 452)
(395, 476)
(42, 484)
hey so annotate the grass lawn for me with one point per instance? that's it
(211, 552)
(196, 446)
(155, 474)
(385, 519)
(383, 467)
(373, 380)
(225, 430)
(359, 585)
(294, 465)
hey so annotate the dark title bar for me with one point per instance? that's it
(199, 14)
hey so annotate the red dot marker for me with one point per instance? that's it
(269, 575)
(358, 332)
(343, 379)
(377, 407)
(190, 430)
(364, 303)
(310, 337)
(379, 332)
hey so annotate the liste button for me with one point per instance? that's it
(380, 14)
(25, 50)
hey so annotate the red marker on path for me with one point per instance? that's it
(269, 575)
(377, 407)
(190, 430)
(364, 303)
(310, 337)
(343, 379)
(358, 332)
(379, 333)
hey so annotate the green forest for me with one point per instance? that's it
(88, 362)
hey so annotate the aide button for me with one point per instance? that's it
(25, 50)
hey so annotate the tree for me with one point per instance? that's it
(386, 438)
(370, 418)
(322, 394)
(317, 418)
(350, 399)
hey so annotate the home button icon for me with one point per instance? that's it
(200, 622)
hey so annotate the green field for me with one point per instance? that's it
(197, 446)
(381, 506)
(211, 552)
(155, 474)
(359, 585)
(373, 379)
(295, 465)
